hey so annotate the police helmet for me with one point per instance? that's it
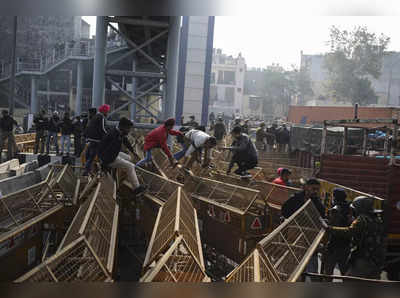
(339, 195)
(364, 205)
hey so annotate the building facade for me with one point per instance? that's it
(387, 86)
(227, 83)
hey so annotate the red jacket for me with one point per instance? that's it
(158, 138)
(279, 181)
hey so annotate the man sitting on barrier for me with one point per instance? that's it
(157, 138)
(109, 152)
(193, 144)
(283, 178)
(244, 153)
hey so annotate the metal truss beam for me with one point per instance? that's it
(149, 104)
(139, 74)
(133, 99)
(138, 22)
(131, 52)
(16, 98)
(134, 45)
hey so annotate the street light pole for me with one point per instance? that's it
(12, 78)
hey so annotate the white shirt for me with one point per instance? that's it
(198, 138)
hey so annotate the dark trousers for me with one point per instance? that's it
(335, 256)
(244, 165)
(361, 267)
(91, 153)
(78, 145)
(40, 139)
(11, 145)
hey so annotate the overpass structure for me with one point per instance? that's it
(160, 68)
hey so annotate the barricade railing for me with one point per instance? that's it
(285, 252)
(75, 262)
(175, 253)
(97, 221)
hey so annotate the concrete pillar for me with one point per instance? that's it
(132, 107)
(34, 99)
(365, 138)
(344, 140)
(79, 85)
(48, 93)
(323, 140)
(99, 67)
(172, 62)
(12, 78)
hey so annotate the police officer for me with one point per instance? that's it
(261, 136)
(245, 127)
(337, 249)
(219, 129)
(192, 122)
(7, 124)
(366, 232)
(41, 124)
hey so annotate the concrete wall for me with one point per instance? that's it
(299, 114)
(16, 183)
(36, 35)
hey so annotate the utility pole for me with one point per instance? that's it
(12, 78)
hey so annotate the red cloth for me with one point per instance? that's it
(158, 138)
(279, 181)
(104, 108)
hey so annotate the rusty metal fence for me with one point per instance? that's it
(174, 253)
(285, 252)
(75, 262)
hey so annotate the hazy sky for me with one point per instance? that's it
(267, 39)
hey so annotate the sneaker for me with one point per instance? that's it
(139, 189)
(245, 175)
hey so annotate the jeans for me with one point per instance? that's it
(123, 161)
(244, 165)
(147, 158)
(91, 153)
(180, 154)
(67, 139)
(52, 138)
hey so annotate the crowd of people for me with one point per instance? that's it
(48, 129)
(355, 231)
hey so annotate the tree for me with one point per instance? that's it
(280, 85)
(354, 58)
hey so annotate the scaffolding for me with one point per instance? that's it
(175, 252)
(284, 253)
